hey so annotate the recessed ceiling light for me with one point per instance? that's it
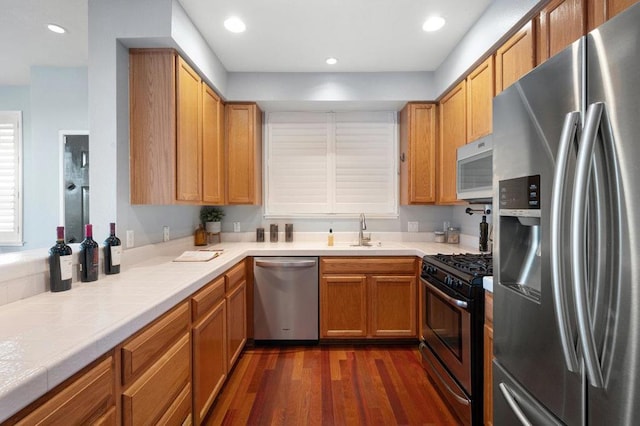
(56, 28)
(331, 61)
(235, 25)
(434, 23)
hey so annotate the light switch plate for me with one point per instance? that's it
(412, 226)
(236, 226)
(165, 233)
(129, 239)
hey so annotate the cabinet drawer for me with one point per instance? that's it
(207, 298)
(86, 400)
(180, 411)
(139, 352)
(153, 394)
(235, 276)
(368, 265)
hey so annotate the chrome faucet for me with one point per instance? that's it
(362, 240)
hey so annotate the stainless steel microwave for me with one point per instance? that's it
(474, 176)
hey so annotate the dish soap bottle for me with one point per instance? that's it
(330, 238)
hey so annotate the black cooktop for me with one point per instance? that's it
(477, 265)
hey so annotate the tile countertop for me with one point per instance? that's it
(46, 338)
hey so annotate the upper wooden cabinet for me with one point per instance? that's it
(189, 142)
(243, 136)
(418, 154)
(212, 147)
(600, 11)
(561, 23)
(480, 92)
(515, 58)
(453, 134)
(176, 151)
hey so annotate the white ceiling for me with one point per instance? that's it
(281, 36)
(365, 35)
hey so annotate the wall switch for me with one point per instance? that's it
(165, 233)
(412, 226)
(129, 239)
(236, 226)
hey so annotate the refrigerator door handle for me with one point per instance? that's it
(578, 243)
(560, 303)
(514, 405)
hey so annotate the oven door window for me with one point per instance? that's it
(445, 322)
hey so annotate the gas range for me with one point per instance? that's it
(459, 272)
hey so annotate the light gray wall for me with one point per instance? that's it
(59, 101)
(485, 36)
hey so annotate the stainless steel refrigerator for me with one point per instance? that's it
(567, 253)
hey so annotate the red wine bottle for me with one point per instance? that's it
(112, 252)
(89, 255)
(60, 263)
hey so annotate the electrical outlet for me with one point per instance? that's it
(412, 226)
(236, 226)
(129, 239)
(165, 233)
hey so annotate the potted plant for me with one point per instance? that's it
(211, 216)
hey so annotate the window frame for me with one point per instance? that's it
(15, 238)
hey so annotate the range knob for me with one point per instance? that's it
(431, 269)
(448, 280)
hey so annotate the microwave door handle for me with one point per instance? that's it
(560, 304)
(578, 243)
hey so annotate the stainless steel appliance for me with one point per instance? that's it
(566, 298)
(452, 325)
(474, 171)
(285, 299)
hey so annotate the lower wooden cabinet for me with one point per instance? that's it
(209, 338)
(488, 360)
(368, 297)
(236, 322)
(86, 399)
(154, 395)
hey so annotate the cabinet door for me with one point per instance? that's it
(189, 130)
(561, 23)
(212, 147)
(488, 375)
(393, 306)
(601, 11)
(453, 134)
(243, 139)
(418, 154)
(152, 133)
(343, 306)
(236, 322)
(515, 58)
(480, 92)
(209, 359)
(88, 399)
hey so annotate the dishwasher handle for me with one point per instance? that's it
(286, 263)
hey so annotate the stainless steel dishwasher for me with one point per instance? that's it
(285, 306)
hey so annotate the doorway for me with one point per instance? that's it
(75, 184)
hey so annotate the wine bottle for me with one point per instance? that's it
(60, 263)
(112, 252)
(89, 255)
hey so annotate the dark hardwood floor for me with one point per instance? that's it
(330, 385)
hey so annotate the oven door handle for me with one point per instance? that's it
(464, 401)
(459, 303)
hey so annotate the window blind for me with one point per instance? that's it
(331, 163)
(10, 178)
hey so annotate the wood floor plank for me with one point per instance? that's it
(330, 385)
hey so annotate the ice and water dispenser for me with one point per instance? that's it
(520, 236)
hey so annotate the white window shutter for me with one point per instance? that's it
(10, 177)
(331, 163)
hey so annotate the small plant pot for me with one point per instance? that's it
(213, 227)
